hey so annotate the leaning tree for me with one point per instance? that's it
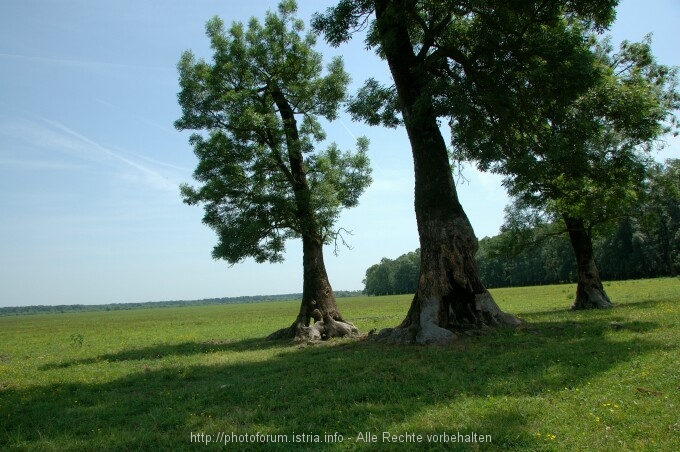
(262, 179)
(583, 161)
(437, 51)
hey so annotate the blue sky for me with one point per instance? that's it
(90, 163)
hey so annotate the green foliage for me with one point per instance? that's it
(376, 105)
(645, 243)
(648, 242)
(661, 213)
(601, 380)
(263, 181)
(589, 161)
(393, 277)
(486, 64)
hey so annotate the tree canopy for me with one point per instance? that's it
(249, 165)
(591, 163)
(585, 163)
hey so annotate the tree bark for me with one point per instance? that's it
(318, 301)
(590, 293)
(450, 296)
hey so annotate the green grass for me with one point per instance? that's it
(148, 379)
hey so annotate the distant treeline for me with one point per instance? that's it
(646, 244)
(44, 309)
(628, 252)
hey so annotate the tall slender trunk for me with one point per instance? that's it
(450, 294)
(318, 300)
(590, 293)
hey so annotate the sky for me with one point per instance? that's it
(90, 163)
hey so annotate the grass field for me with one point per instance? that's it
(172, 379)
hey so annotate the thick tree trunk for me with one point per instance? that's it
(450, 296)
(590, 292)
(318, 301)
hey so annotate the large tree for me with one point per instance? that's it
(263, 180)
(437, 51)
(583, 161)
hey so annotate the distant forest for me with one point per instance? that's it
(44, 309)
(643, 244)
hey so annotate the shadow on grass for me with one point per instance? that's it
(164, 350)
(344, 387)
(643, 304)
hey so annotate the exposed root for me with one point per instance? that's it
(478, 318)
(319, 331)
(329, 328)
(429, 332)
(429, 335)
(396, 336)
(284, 333)
(591, 296)
(492, 314)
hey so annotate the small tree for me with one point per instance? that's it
(262, 180)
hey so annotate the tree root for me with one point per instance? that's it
(591, 296)
(426, 330)
(432, 334)
(492, 314)
(319, 331)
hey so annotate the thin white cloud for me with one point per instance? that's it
(105, 103)
(165, 164)
(65, 140)
(154, 178)
(349, 132)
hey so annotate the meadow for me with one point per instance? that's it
(203, 378)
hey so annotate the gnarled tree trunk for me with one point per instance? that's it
(590, 292)
(450, 296)
(318, 301)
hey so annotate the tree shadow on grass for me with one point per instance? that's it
(644, 304)
(160, 351)
(344, 387)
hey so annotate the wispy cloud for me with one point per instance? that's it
(60, 138)
(165, 164)
(154, 178)
(105, 103)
